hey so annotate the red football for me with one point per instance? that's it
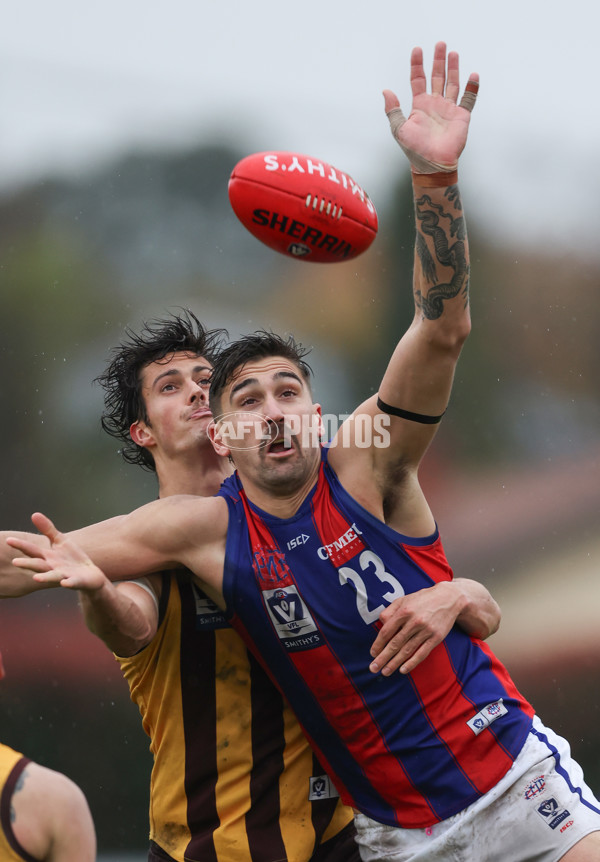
(302, 207)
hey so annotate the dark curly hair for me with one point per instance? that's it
(123, 401)
(258, 345)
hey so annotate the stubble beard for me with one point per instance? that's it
(283, 478)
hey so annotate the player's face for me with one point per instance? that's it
(269, 424)
(175, 393)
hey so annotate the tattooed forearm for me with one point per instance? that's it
(427, 261)
(440, 225)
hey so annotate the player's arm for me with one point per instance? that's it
(417, 382)
(415, 389)
(481, 615)
(123, 615)
(416, 385)
(413, 625)
(16, 582)
(167, 533)
(51, 818)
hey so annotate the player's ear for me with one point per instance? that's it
(141, 434)
(215, 435)
(319, 421)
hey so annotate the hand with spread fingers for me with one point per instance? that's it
(435, 132)
(61, 563)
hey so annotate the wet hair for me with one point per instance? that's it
(258, 345)
(121, 381)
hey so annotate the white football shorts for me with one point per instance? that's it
(539, 810)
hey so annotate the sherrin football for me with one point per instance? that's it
(302, 207)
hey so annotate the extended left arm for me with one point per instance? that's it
(419, 376)
(416, 386)
(415, 624)
(14, 582)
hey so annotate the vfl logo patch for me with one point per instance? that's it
(208, 616)
(486, 716)
(293, 623)
(552, 812)
(320, 787)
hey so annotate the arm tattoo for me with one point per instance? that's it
(429, 215)
(427, 261)
(18, 786)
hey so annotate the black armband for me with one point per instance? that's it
(406, 414)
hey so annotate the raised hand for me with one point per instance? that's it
(435, 133)
(63, 563)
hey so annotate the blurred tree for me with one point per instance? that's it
(53, 306)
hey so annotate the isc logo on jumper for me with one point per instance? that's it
(291, 618)
(552, 812)
(486, 716)
(302, 539)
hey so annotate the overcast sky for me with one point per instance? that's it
(81, 83)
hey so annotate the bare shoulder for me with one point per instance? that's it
(178, 516)
(352, 454)
(49, 810)
(167, 533)
(376, 458)
(39, 781)
(180, 505)
(204, 515)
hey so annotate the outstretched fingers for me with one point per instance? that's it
(434, 132)
(35, 558)
(438, 72)
(45, 526)
(391, 101)
(453, 82)
(418, 81)
(445, 77)
(394, 112)
(470, 95)
(31, 559)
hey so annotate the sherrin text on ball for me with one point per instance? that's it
(302, 207)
